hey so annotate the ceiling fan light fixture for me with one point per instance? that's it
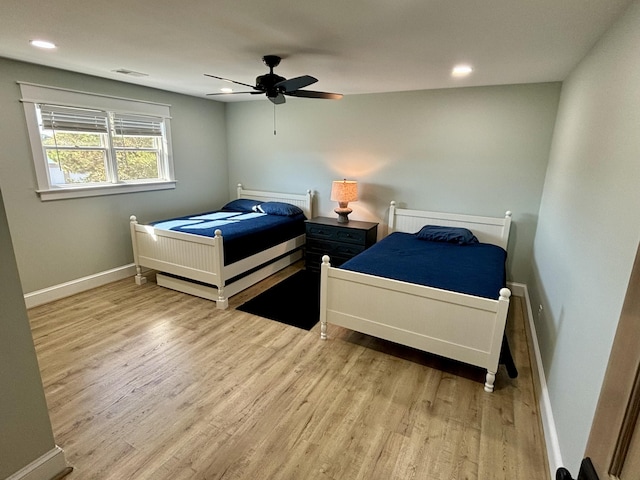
(461, 70)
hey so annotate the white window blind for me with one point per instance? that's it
(136, 125)
(65, 119)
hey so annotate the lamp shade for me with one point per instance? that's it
(344, 191)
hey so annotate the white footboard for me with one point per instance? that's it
(190, 256)
(453, 325)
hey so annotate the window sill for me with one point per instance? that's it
(61, 193)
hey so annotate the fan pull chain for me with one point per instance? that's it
(274, 118)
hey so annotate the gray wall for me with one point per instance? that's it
(588, 230)
(466, 150)
(25, 429)
(64, 240)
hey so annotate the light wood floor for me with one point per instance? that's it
(146, 383)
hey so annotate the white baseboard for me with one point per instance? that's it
(56, 292)
(518, 289)
(46, 467)
(554, 456)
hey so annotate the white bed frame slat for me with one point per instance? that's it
(201, 259)
(454, 325)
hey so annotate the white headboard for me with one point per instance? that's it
(303, 201)
(493, 230)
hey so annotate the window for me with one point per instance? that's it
(85, 144)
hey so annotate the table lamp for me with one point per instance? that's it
(343, 192)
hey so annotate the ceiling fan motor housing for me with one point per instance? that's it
(268, 83)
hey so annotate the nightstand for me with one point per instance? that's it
(341, 241)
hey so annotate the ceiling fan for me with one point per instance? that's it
(276, 87)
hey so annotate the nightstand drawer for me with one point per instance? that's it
(337, 234)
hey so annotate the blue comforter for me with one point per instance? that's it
(477, 269)
(244, 233)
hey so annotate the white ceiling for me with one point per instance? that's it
(351, 46)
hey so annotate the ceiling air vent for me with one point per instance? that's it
(131, 73)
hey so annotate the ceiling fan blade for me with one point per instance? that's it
(314, 94)
(296, 83)
(278, 99)
(232, 81)
(233, 93)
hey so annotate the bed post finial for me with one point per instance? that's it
(133, 219)
(507, 213)
(391, 224)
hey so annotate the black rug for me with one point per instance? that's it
(294, 301)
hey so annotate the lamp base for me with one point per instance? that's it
(342, 214)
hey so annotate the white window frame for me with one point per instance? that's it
(33, 94)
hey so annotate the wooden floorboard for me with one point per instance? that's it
(146, 383)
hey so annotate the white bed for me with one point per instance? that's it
(195, 264)
(459, 326)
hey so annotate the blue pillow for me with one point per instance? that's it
(240, 205)
(278, 208)
(436, 233)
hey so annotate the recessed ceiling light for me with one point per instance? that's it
(461, 70)
(226, 90)
(42, 44)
